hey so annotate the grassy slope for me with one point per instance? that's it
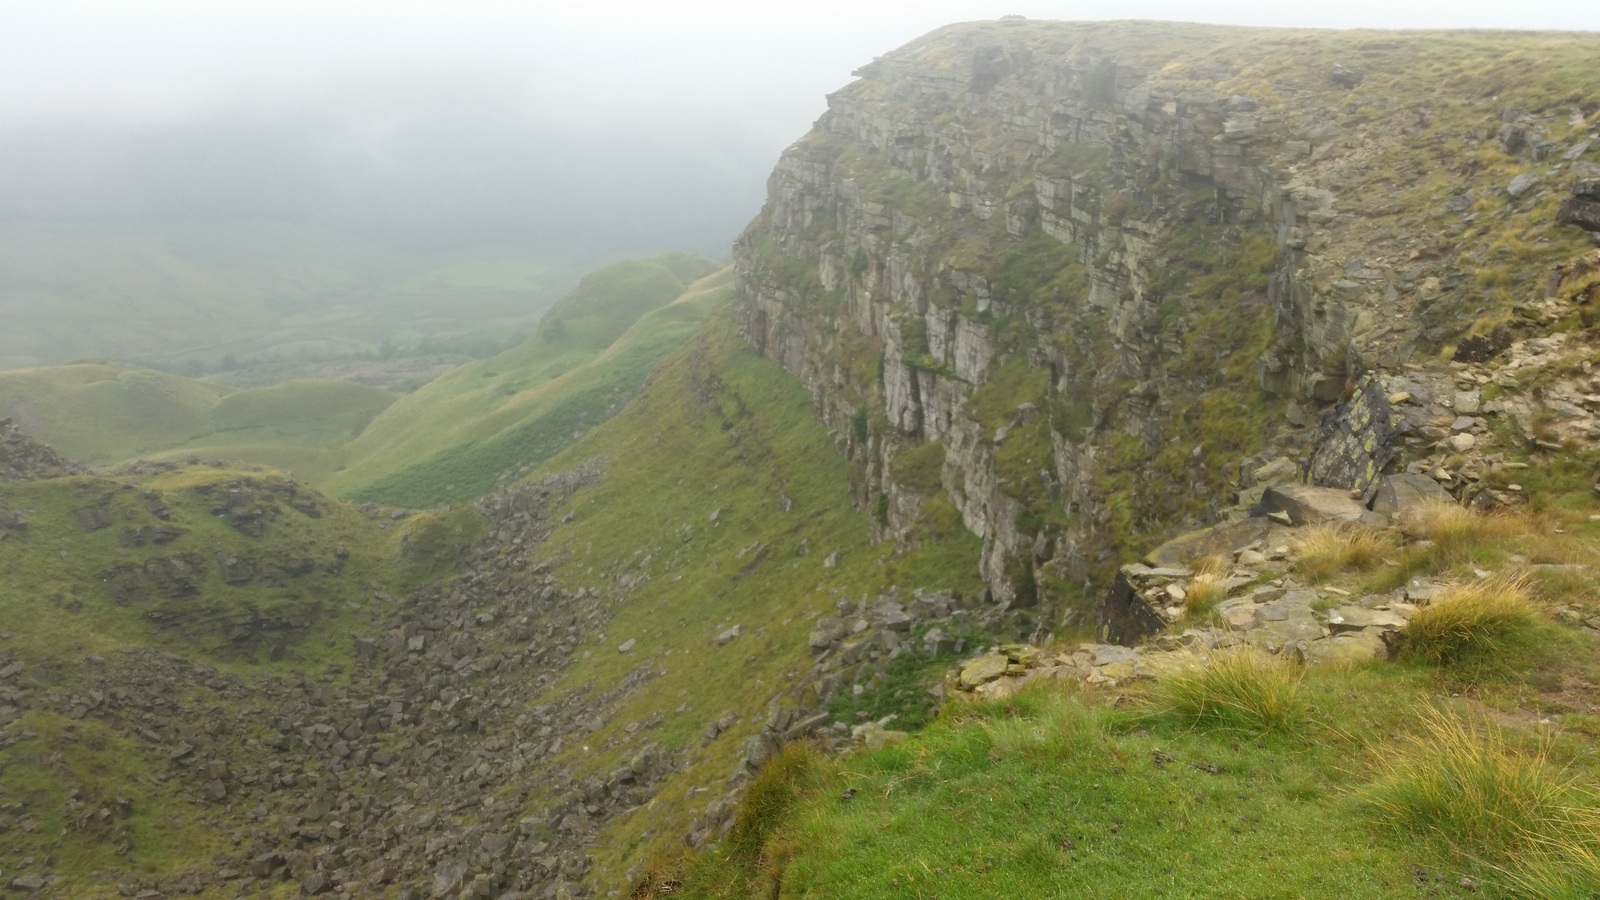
(449, 441)
(1055, 794)
(55, 610)
(1080, 793)
(717, 428)
(176, 291)
(477, 401)
(105, 412)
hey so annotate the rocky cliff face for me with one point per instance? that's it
(1079, 281)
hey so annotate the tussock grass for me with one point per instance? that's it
(1207, 588)
(1458, 536)
(1457, 777)
(1564, 860)
(1323, 551)
(1484, 625)
(1205, 592)
(1240, 689)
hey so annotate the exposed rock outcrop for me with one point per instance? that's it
(24, 459)
(1110, 273)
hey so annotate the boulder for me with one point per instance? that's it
(827, 632)
(1400, 492)
(1308, 505)
(1219, 540)
(1582, 206)
(985, 668)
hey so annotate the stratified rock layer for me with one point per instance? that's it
(1112, 268)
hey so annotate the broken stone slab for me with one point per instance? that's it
(1347, 649)
(1305, 504)
(1290, 604)
(1522, 184)
(983, 669)
(875, 737)
(1277, 471)
(1118, 671)
(1278, 632)
(1240, 614)
(1423, 592)
(1400, 492)
(1356, 618)
(1218, 540)
(1105, 654)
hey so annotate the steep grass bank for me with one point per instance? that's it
(530, 424)
(476, 403)
(724, 505)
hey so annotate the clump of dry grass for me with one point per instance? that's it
(1323, 551)
(1459, 536)
(1240, 688)
(1486, 625)
(1207, 588)
(1563, 862)
(1458, 778)
(1514, 811)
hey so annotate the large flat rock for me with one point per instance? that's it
(1305, 504)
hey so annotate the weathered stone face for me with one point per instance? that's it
(896, 270)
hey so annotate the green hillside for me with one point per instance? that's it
(452, 438)
(722, 505)
(200, 294)
(106, 412)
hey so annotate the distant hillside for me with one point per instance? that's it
(199, 294)
(451, 440)
(454, 437)
(104, 412)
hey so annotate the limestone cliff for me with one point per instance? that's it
(1075, 282)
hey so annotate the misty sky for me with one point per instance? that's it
(611, 126)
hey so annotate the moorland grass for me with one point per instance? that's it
(1240, 689)
(1057, 791)
(1329, 549)
(1513, 808)
(1478, 628)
